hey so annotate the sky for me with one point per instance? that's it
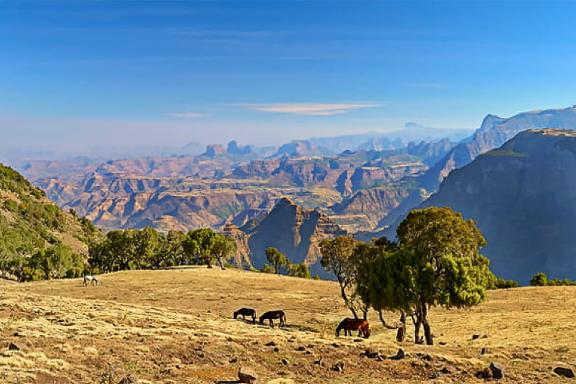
(81, 73)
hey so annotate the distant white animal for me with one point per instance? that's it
(89, 279)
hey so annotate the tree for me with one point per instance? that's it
(147, 248)
(299, 270)
(199, 243)
(539, 280)
(276, 258)
(223, 248)
(442, 264)
(172, 249)
(337, 255)
(54, 262)
(380, 283)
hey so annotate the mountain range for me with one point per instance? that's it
(293, 196)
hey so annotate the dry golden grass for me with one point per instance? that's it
(176, 327)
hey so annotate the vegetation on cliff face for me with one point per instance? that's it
(38, 239)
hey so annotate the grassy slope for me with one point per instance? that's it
(176, 327)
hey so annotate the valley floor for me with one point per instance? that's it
(176, 326)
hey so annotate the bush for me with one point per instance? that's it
(504, 284)
(299, 270)
(267, 268)
(539, 280)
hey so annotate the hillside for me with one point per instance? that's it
(522, 197)
(29, 222)
(176, 327)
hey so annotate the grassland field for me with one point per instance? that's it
(176, 326)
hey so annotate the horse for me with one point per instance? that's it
(89, 279)
(246, 312)
(272, 315)
(349, 325)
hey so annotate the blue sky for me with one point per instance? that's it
(79, 73)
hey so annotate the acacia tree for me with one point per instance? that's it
(439, 263)
(337, 257)
(276, 258)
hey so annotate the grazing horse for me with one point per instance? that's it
(349, 325)
(246, 312)
(89, 279)
(271, 315)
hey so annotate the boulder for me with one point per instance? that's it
(497, 370)
(564, 371)
(13, 347)
(338, 367)
(247, 375)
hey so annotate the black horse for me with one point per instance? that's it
(274, 315)
(246, 312)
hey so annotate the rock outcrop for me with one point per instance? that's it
(295, 231)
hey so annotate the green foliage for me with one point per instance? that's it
(276, 258)
(33, 232)
(149, 249)
(299, 270)
(267, 268)
(500, 283)
(54, 262)
(436, 262)
(338, 258)
(539, 280)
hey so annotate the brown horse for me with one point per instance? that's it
(349, 325)
(272, 315)
(246, 312)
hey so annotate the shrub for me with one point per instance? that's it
(539, 280)
(267, 268)
(503, 283)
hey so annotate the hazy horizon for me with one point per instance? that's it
(134, 74)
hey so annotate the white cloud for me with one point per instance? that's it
(186, 115)
(308, 109)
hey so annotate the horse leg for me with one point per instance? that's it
(271, 323)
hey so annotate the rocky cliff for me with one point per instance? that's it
(295, 231)
(523, 198)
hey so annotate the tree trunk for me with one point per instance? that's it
(417, 324)
(219, 259)
(384, 323)
(347, 301)
(426, 325)
(401, 334)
